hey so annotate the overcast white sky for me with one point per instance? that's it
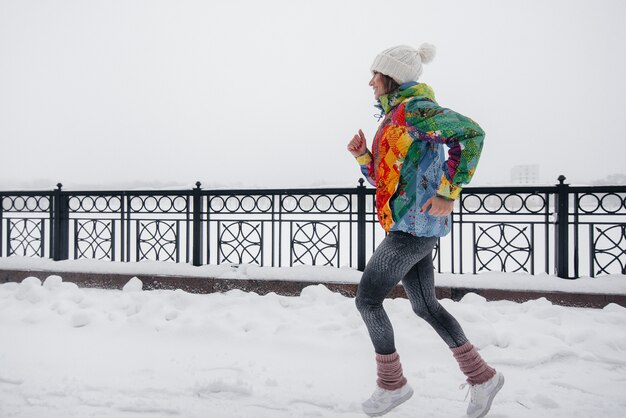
(267, 93)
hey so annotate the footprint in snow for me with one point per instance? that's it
(224, 389)
(11, 381)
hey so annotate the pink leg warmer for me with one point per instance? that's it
(472, 364)
(389, 371)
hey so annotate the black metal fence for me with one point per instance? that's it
(569, 231)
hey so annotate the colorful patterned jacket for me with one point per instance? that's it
(407, 163)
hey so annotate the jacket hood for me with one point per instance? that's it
(420, 91)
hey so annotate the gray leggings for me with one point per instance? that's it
(405, 257)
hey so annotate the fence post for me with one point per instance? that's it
(197, 225)
(562, 229)
(60, 225)
(360, 219)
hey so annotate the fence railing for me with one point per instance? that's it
(559, 229)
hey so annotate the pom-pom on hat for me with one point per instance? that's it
(403, 63)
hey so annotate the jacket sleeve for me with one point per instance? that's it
(463, 136)
(366, 162)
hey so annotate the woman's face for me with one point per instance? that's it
(378, 84)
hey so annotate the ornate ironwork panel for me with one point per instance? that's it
(309, 203)
(601, 203)
(235, 227)
(602, 209)
(159, 203)
(98, 230)
(94, 239)
(503, 247)
(609, 255)
(26, 237)
(96, 204)
(26, 204)
(257, 226)
(499, 225)
(237, 204)
(24, 223)
(513, 203)
(158, 217)
(315, 243)
(241, 242)
(157, 240)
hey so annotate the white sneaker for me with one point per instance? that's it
(482, 396)
(383, 400)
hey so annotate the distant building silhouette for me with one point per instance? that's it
(612, 180)
(525, 174)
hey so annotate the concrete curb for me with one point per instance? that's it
(294, 288)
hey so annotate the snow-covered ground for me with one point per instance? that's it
(72, 352)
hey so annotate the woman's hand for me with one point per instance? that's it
(357, 145)
(438, 206)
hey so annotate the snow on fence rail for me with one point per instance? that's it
(570, 231)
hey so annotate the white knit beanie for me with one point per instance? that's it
(403, 63)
